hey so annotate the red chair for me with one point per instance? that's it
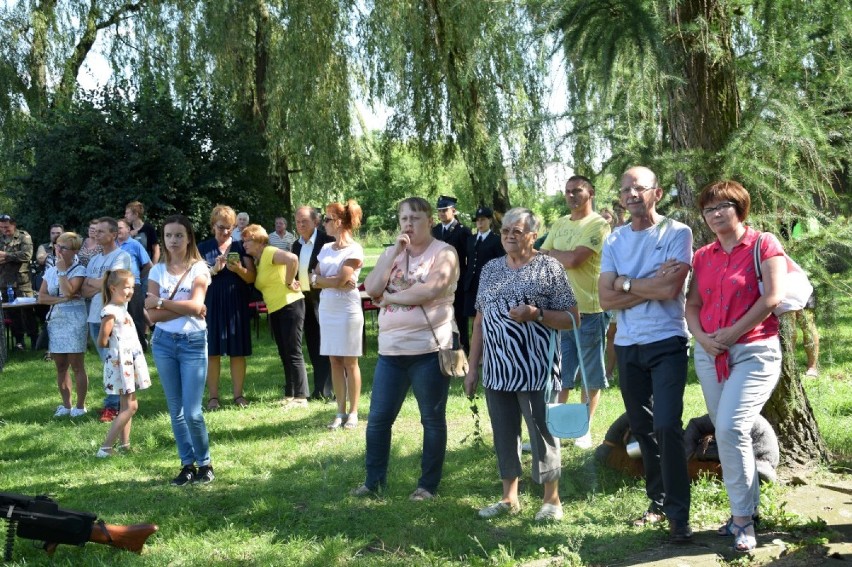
(258, 307)
(367, 305)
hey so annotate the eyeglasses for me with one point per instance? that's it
(638, 188)
(720, 207)
(328, 219)
(224, 228)
(64, 248)
(516, 232)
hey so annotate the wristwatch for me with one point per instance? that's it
(160, 303)
(62, 274)
(625, 287)
(313, 280)
(540, 317)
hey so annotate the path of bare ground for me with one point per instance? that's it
(824, 496)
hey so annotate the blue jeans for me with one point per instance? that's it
(592, 331)
(391, 381)
(653, 379)
(181, 360)
(111, 401)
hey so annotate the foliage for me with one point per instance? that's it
(104, 151)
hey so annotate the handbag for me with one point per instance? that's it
(798, 288)
(453, 360)
(567, 421)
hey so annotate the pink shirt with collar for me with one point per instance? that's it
(728, 284)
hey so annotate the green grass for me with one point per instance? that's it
(281, 492)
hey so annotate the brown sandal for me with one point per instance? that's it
(212, 404)
(240, 401)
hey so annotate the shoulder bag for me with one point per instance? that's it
(797, 287)
(453, 360)
(567, 421)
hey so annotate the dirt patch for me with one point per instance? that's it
(826, 498)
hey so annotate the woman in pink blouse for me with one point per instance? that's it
(737, 352)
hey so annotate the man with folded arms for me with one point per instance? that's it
(644, 267)
(575, 241)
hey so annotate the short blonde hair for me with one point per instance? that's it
(255, 233)
(223, 213)
(72, 239)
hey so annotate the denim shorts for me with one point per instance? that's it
(592, 333)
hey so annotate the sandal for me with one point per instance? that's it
(743, 543)
(240, 401)
(47, 357)
(337, 422)
(725, 529)
(351, 421)
(212, 404)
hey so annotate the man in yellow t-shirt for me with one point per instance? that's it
(575, 240)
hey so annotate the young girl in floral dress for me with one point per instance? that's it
(125, 369)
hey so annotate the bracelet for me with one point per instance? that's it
(62, 274)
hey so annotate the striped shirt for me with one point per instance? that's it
(515, 354)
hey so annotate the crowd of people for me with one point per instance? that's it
(630, 292)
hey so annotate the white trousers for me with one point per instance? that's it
(733, 405)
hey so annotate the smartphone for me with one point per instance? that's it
(233, 257)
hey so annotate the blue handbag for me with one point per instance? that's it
(567, 421)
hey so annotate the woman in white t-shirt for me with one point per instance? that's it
(175, 302)
(414, 282)
(340, 315)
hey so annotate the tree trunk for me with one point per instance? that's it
(703, 104)
(789, 411)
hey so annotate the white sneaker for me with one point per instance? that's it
(584, 442)
(62, 411)
(77, 412)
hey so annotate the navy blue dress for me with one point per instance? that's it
(227, 301)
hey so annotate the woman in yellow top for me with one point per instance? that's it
(277, 280)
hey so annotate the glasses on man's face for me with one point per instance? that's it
(223, 228)
(720, 207)
(638, 188)
(516, 232)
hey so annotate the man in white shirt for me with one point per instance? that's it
(307, 247)
(280, 238)
(242, 222)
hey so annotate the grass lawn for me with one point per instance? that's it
(281, 494)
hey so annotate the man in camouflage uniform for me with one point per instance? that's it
(16, 251)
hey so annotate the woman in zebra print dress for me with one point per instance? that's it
(524, 298)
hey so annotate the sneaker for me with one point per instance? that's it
(205, 474)
(420, 495)
(61, 411)
(498, 509)
(549, 512)
(584, 442)
(526, 447)
(363, 491)
(186, 476)
(77, 412)
(107, 415)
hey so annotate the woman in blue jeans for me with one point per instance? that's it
(414, 283)
(175, 302)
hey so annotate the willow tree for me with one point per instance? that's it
(704, 89)
(459, 76)
(280, 66)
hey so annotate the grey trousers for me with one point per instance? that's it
(505, 410)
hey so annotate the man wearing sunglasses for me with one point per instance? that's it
(16, 251)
